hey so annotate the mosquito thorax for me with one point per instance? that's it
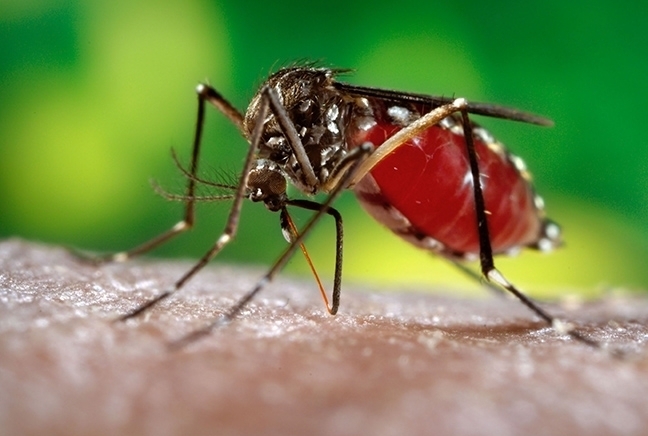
(319, 113)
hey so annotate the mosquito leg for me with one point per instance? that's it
(231, 225)
(486, 252)
(359, 153)
(411, 131)
(289, 131)
(205, 94)
(339, 235)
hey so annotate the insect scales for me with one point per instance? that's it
(416, 163)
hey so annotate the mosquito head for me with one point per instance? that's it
(267, 183)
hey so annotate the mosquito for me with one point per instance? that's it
(417, 163)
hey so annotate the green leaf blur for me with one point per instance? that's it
(94, 94)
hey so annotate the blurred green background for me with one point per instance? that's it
(94, 93)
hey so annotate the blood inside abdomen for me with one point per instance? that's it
(424, 189)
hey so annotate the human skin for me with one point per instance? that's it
(388, 364)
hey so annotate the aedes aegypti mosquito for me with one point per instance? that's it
(412, 160)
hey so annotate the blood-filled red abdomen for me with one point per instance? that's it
(427, 181)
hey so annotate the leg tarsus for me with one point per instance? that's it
(485, 249)
(145, 306)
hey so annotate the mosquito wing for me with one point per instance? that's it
(487, 109)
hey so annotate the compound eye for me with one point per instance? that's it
(266, 183)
